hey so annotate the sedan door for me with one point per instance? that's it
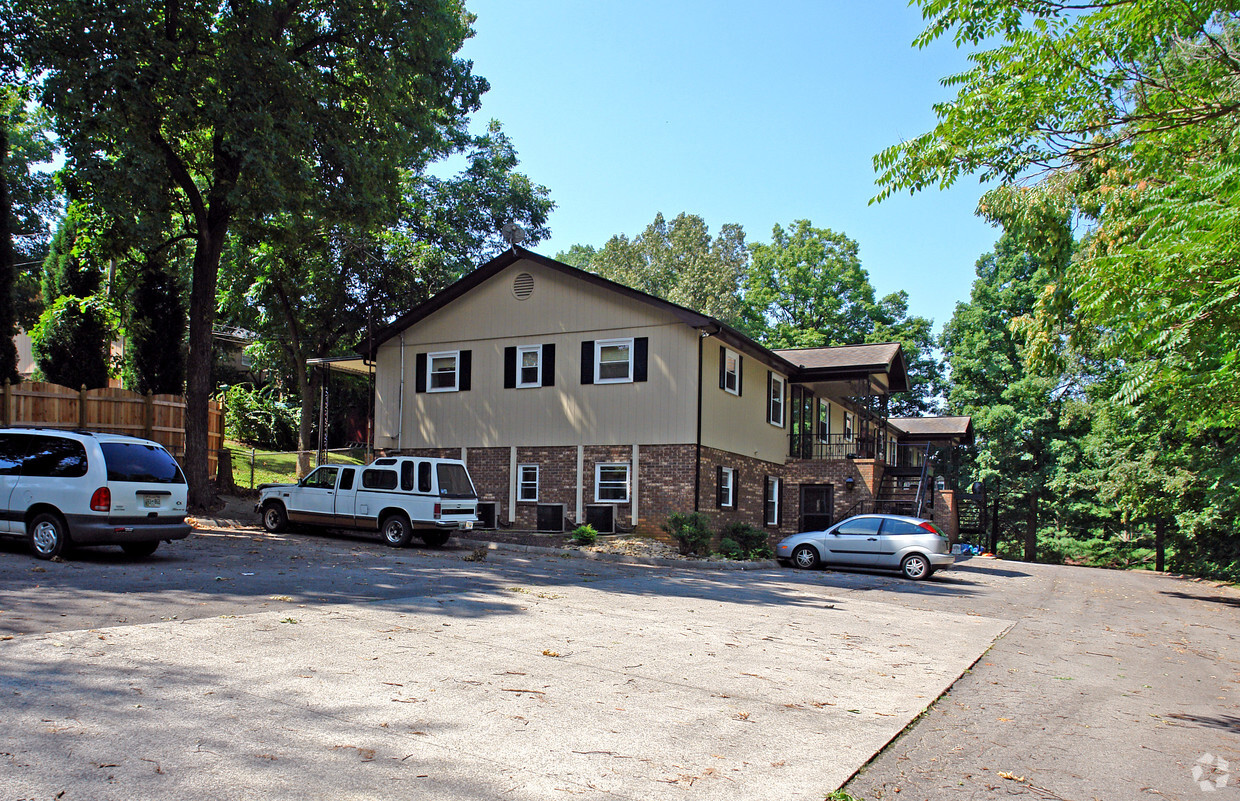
(854, 542)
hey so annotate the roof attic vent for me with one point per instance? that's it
(523, 286)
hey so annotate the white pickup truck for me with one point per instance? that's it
(397, 496)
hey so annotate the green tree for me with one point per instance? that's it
(1124, 115)
(71, 339)
(221, 114)
(313, 287)
(678, 261)
(807, 288)
(155, 355)
(1018, 412)
(26, 200)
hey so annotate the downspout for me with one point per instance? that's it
(400, 396)
(697, 463)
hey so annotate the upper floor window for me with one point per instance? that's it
(613, 361)
(775, 400)
(729, 371)
(611, 483)
(824, 420)
(529, 366)
(443, 371)
(848, 426)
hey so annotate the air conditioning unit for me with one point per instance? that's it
(488, 513)
(602, 518)
(551, 517)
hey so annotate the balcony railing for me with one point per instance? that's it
(836, 446)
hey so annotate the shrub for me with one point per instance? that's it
(692, 531)
(258, 418)
(748, 542)
(731, 548)
(585, 535)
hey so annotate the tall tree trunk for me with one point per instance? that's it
(8, 267)
(198, 384)
(1031, 528)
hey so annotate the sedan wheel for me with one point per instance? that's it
(48, 536)
(916, 567)
(805, 557)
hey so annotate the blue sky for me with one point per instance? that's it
(737, 111)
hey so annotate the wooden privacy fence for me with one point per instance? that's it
(116, 411)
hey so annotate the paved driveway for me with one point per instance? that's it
(235, 665)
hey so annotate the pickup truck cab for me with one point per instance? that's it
(398, 496)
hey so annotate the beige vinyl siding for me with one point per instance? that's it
(738, 424)
(562, 311)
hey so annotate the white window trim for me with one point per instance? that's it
(521, 482)
(729, 475)
(773, 487)
(783, 400)
(628, 482)
(598, 360)
(728, 352)
(456, 370)
(522, 350)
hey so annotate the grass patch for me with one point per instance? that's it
(278, 467)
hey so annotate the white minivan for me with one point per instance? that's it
(62, 488)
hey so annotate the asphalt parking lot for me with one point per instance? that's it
(240, 665)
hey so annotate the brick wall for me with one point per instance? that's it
(946, 515)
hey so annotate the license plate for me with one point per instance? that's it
(150, 501)
(467, 525)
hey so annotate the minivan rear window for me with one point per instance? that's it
(454, 481)
(134, 461)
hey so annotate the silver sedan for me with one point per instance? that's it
(913, 546)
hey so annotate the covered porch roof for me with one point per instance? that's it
(940, 430)
(847, 370)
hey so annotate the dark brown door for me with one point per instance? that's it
(817, 506)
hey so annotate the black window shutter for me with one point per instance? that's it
(740, 385)
(779, 503)
(419, 373)
(766, 502)
(770, 379)
(587, 362)
(465, 366)
(641, 350)
(548, 365)
(736, 489)
(723, 367)
(719, 487)
(510, 368)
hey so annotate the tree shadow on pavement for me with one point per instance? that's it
(1226, 600)
(1228, 723)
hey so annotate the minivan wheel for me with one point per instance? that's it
(396, 530)
(275, 519)
(435, 538)
(916, 567)
(49, 537)
(139, 549)
(805, 557)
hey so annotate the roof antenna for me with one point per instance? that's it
(513, 234)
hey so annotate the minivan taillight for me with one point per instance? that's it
(101, 501)
(438, 510)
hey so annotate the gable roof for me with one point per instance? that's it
(808, 364)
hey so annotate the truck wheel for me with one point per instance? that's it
(396, 530)
(435, 538)
(275, 519)
(49, 536)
